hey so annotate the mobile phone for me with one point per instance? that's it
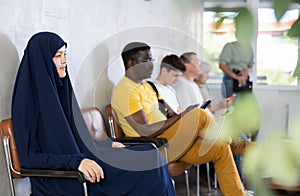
(205, 104)
(231, 97)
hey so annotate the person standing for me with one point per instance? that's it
(236, 61)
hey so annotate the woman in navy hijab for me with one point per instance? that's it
(50, 133)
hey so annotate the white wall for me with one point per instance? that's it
(96, 31)
(280, 109)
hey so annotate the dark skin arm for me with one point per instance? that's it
(171, 113)
(140, 123)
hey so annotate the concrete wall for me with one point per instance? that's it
(280, 109)
(96, 31)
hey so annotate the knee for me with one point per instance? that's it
(223, 148)
(203, 117)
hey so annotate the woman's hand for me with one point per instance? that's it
(224, 103)
(117, 145)
(92, 171)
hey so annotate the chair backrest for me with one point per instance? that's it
(115, 129)
(95, 123)
(174, 168)
(6, 130)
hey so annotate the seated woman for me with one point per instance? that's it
(50, 133)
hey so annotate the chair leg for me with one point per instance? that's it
(85, 189)
(173, 182)
(198, 180)
(8, 163)
(187, 182)
(208, 177)
(216, 181)
(11, 183)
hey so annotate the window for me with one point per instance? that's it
(276, 53)
(214, 39)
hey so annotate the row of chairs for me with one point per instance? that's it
(97, 127)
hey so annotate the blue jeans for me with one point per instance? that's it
(238, 160)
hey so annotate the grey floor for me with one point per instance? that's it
(181, 188)
(23, 188)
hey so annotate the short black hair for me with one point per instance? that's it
(186, 57)
(172, 62)
(131, 49)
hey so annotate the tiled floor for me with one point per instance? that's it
(204, 191)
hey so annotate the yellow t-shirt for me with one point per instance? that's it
(130, 97)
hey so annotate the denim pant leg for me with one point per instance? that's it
(227, 86)
(237, 160)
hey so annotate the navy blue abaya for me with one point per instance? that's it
(50, 133)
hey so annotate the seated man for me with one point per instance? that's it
(196, 75)
(137, 108)
(186, 85)
(171, 69)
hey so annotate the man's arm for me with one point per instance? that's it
(140, 124)
(230, 73)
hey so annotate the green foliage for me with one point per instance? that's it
(297, 69)
(220, 21)
(244, 24)
(295, 29)
(280, 7)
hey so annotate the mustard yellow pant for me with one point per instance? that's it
(185, 143)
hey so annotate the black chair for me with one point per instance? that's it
(175, 168)
(14, 168)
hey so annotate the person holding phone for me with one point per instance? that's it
(224, 105)
(139, 115)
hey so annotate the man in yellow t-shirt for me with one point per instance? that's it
(138, 113)
(132, 102)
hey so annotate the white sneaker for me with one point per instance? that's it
(249, 193)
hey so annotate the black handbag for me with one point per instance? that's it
(237, 87)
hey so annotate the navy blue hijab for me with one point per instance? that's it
(43, 111)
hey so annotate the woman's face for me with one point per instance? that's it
(60, 61)
(203, 78)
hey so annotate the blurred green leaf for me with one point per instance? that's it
(244, 26)
(220, 21)
(280, 7)
(297, 69)
(295, 29)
